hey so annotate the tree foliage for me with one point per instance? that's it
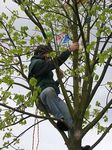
(89, 23)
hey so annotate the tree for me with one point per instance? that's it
(88, 22)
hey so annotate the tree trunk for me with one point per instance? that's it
(74, 141)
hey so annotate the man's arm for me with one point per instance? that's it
(42, 67)
(46, 66)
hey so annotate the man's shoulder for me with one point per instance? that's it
(36, 60)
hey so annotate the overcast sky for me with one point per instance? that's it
(49, 138)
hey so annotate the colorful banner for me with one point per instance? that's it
(66, 39)
(59, 38)
(62, 38)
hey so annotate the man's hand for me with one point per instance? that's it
(73, 47)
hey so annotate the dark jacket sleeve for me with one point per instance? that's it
(46, 66)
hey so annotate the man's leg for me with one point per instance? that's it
(65, 112)
(49, 98)
(55, 105)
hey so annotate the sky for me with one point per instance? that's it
(49, 138)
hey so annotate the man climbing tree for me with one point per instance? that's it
(41, 68)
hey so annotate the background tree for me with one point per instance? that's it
(88, 22)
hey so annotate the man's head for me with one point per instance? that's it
(42, 49)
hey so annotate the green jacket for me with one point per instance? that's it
(41, 69)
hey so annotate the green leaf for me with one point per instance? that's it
(7, 79)
(39, 38)
(1, 50)
(24, 28)
(2, 124)
(91, 46)
(96, 77)
(4, 15)
(103, 57)
(33, 82)
(7, 135)
(2, 35)
(32, 41)
(36, 93)
(6, 95)
(105, 118)
(98, 103)
(95, 112)
(6, 144)
(102, 18)
(17, 141)
(23, 122)
(100, 128)
(7, 114)
(109, 84)
(19, 98)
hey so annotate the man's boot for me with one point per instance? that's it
(87, 147)
(61, 125)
